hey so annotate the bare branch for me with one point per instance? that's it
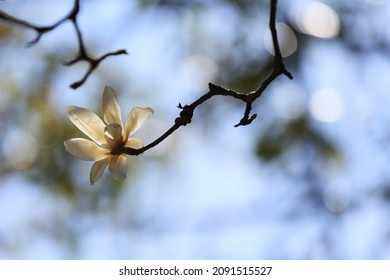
(278, 61)
(187, 111)
(82, 51)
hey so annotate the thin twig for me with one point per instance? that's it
(187, 111)
(82, 54)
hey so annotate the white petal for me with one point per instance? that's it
(85, 149)
(134, 143)
(111, 109)
(98, 169)
(113, 135)
(118, 167)
(137, 117)
(88, 122)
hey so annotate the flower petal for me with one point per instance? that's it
(88, 122)
(98, 169)
(118, 167)
(134, 143)
(111, 109)
(137, 117)
(85, 149)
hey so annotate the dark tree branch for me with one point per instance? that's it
(82, 55)
(187, 111)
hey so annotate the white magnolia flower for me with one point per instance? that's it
(106, 136)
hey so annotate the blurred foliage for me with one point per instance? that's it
(299, 132)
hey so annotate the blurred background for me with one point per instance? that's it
(308, 179)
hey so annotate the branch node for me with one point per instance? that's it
(212, 86)
(185, 115)
(71, 61)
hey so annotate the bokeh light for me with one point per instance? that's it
(337, 195)
(287, 40)
(326, 105)
(317, 19)
(290, 101)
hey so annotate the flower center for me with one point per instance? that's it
(113, 135)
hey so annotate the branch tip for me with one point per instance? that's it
(288, 74)
(246, 121)
(82, 54)
(76, 85)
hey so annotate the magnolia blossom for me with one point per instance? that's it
(106, 136)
